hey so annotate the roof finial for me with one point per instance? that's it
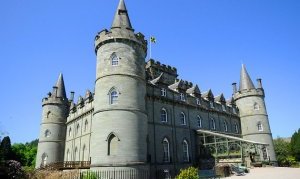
(61, 91)
(121, 19)
(245, 81)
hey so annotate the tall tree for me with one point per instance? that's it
(295, 145)
(6, 148)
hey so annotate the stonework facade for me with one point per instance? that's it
(141, 116)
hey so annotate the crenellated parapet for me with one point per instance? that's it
(250, 92)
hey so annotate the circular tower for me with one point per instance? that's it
(53, 126)
(253, 114)
(120, 124)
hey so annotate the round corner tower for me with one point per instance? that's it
(53, 126)
(120, 122)
(253, 114)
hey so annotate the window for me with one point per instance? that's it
(182, 119)
(256, 106)
(83, 152)
(70, 131)
(225, 126)
(213, 124)
(77, 129)
(211, 104)
(68, 155)
(198, 101)
(182, 97)
(199, 121)
(260, 126)
(113, 97)
(185, 148)
(114, 60)
(223, 107)
(163, 115)
(86, 123)
(113, 144)
(163, 92)
(236, 129)
(44, 159)
(75, 154)
(48, 114)
(47, 133)
(166, 150)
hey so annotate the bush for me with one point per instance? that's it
(14, 169)
(189, 173)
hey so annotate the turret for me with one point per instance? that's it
(120, 121)
(253, 114)
(53, 127)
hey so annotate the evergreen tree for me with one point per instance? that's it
(295, 145)
(6, 148)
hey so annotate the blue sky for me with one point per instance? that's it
(206, 40)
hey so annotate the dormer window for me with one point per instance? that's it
(163, 92)
(114, 60)
(182, 97)
(211, 104)
(198, 101)
(223, 107)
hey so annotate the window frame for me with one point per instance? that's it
(113, 96)
(185, 150)
(114, 59)
(163, 92)
(199, 121)
(163, 115)
(182, 119)
(166, 150)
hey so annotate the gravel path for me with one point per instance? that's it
(271, 173)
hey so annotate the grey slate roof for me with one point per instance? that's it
(194, 90)
(245, 81)
(208, 94)
(121, 19)
(220, 98)
(61, 91)
(159, 79)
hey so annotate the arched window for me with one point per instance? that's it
(114, 60)
(185, 148)
(163, 115)
(225, 126)
(70, 131)
(236, 128)
(48, 114)
(86, 123)
(113, 96)
(47, 133)
(182, 118)
(77, 129)
(256, 106)
(68, 155)
(44, 159)
(113, 145)
(166, 150)
(76, 154)
(260, 126)
(199, 121)
(83, 152)
(198, 101)
(212, 124)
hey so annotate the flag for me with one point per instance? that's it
(153, 40)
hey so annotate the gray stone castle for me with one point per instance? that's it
(141, 117)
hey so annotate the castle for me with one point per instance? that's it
(141, 117)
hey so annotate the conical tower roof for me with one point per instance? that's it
(245, 81)
(121, 19)
(61, 91)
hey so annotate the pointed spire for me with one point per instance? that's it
(61, 91)
(121, 19)
(245, 81)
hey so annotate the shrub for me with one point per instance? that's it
(14, 169)
(189, 173)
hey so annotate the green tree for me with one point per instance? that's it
(189, 173)
(295, 145)
(283, 152)
(25, 153)
(6, 148)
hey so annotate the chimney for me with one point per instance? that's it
(259, 84)
(234, 88)
(54, 91)
(72, 96)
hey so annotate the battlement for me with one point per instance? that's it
(249, 92)
(82, 101)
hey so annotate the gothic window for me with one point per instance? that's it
(225, 126)
(68, 155)
(163, 92)
(211, 104)
(236, 128)
(48, 114)
(182, 97)
(256, 106)
(212, 124)
(182, 119)
(260, 126)
(76, 154)
(86, 123)
(70, 132)
(77, 129)
(47, 133)
(113, 96)
(223, 107)
(166, 150)
(44, 159)
(83, 152)
(163, 115)
(199, 121)
(198, 101)
(114, 60)
(113, 144)
(185, 148)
